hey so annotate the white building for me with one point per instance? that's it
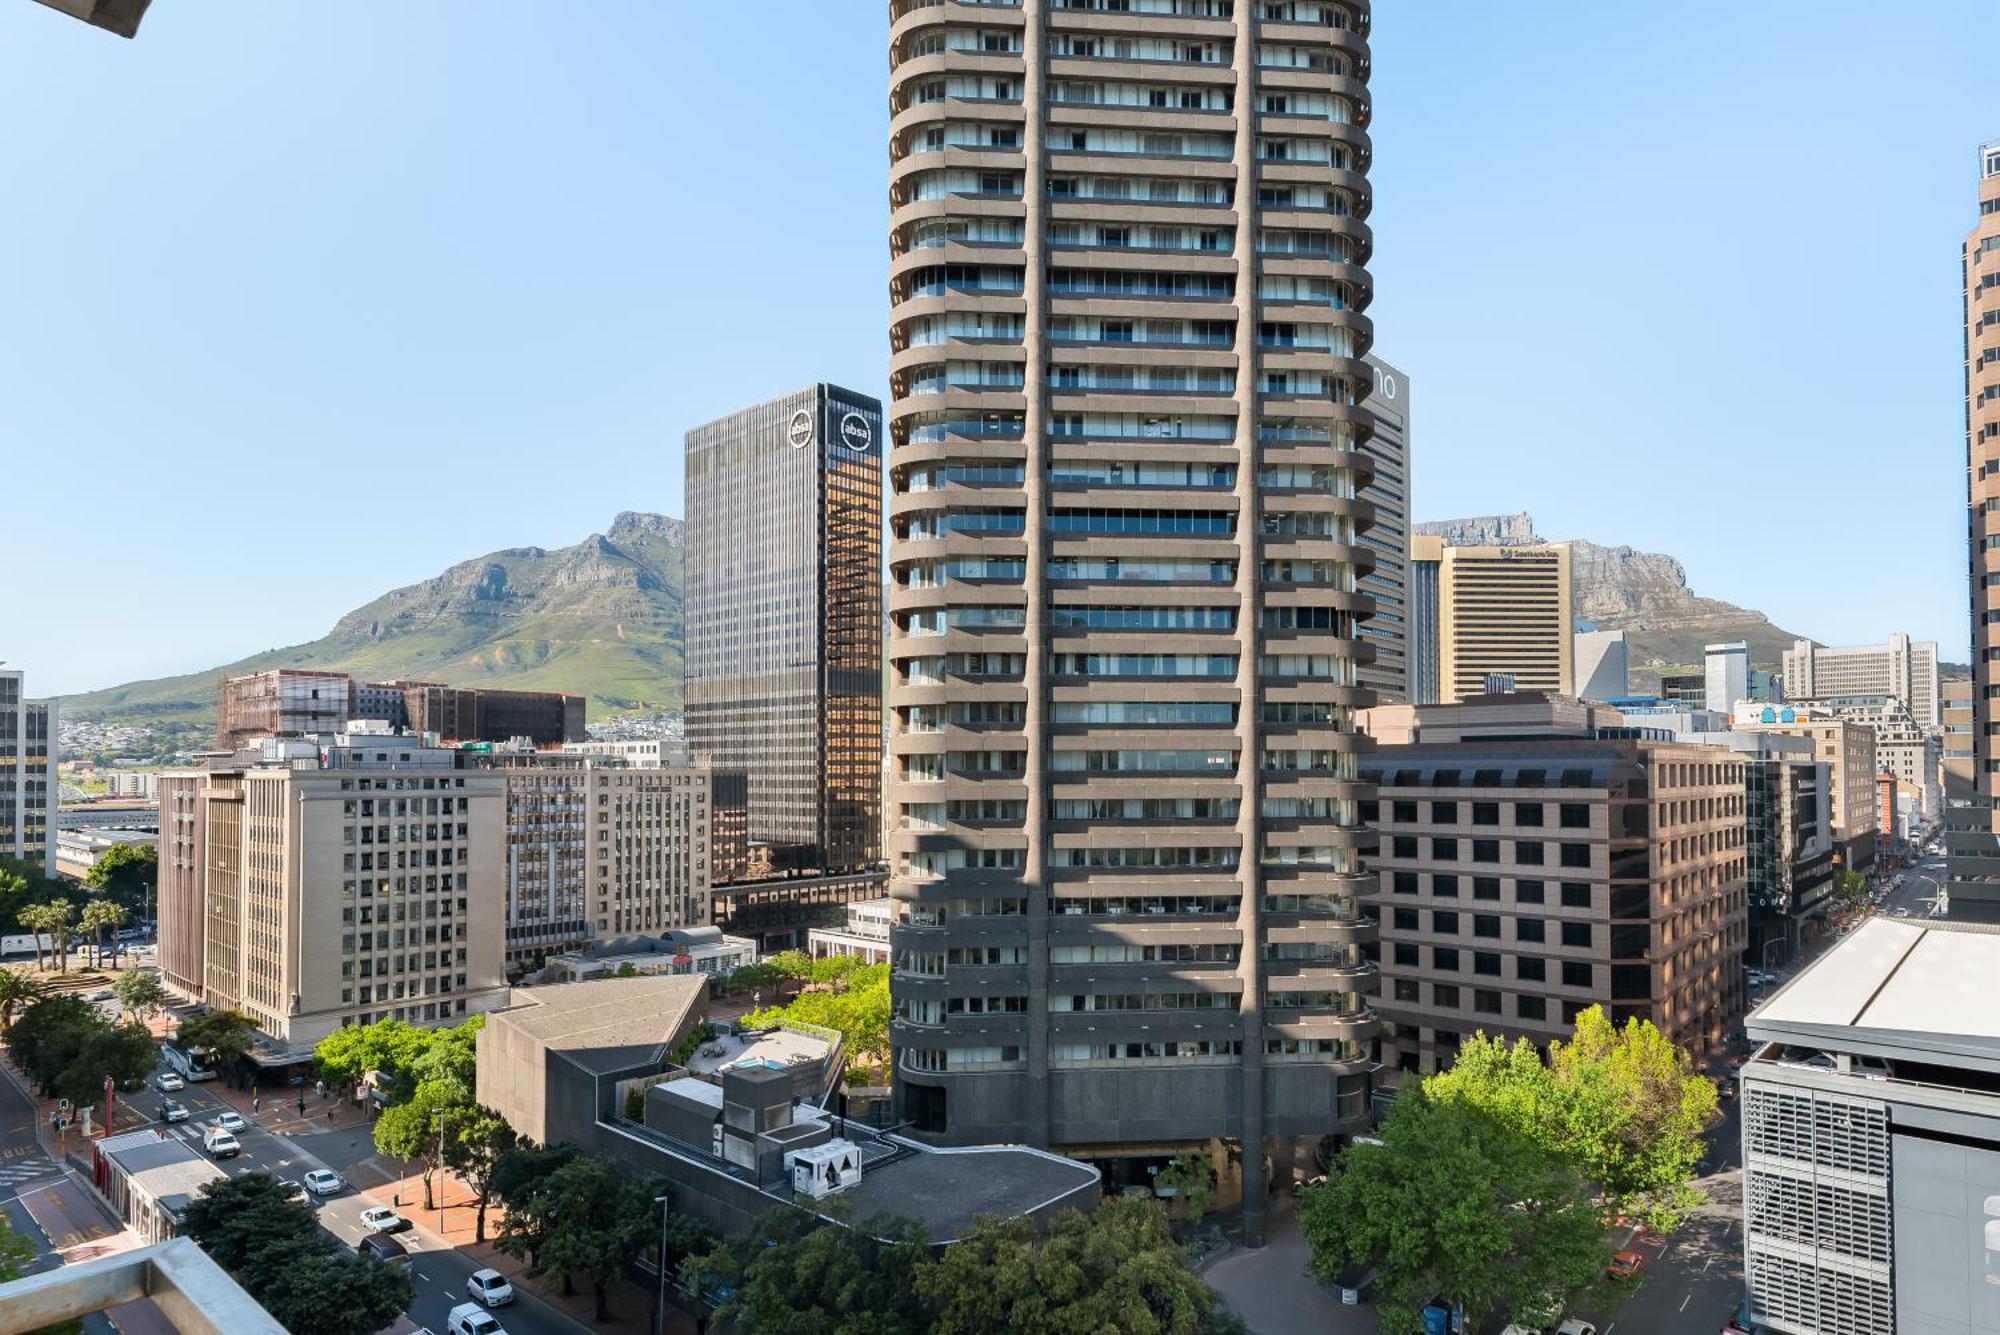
(28, 787)
(1899, 667)
(697, 950)
(642, 752)
(866, 933)
(1602, 665)
(1728, 675)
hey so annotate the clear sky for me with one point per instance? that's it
(299, 303)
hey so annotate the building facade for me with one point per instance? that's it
(1726, 676)
(1388, 629)
(1525, 881)
(1956, 751)
(1603, 663)
(1848, 748)
(28, 786)
(298, 702)
(784, 619)
(1130, 422)
(1426, 555)
(1899, 666)
(1505, 612)
(1972, 839)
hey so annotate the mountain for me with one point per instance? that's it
(601, 618)
(1644, 594)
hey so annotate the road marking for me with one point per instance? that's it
(1684, 1300)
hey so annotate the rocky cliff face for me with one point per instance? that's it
(1644, 594)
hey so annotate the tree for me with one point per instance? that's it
(124, 1053)
(99, 923)
(796, 1274)
(126, 875)
(22, 884)
(1850, 887)
(519, 1178)
(451, 1055)
(409, 1130)
(348, 1054)
(50, 1035)
(474, 1147)
(226, 1036)
(1625, 1105)
(858, 1008)
(141, 994)
(334, 1292)
(1118, 1269)
(55, 919)
(1453, 1202)
(16, 988)
(1191, 1178)
(232, 1219)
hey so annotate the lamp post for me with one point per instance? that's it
(441, 1179)
(660, 1298)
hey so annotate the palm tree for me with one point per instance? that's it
(36, 918)
(60, 915)
(100, 917)
(16, 988)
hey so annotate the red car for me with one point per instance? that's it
(1624, 1265)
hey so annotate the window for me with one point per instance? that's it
(1444, 994)
(1485, 850)
(1406, 990)
(1406, 883)
(1530, 929)
(1486, 887)
(1576, 815)
(1486, 924)
(1444, 957)
(1406, 920)
(1576, 934)
(1576, 855)
(1528, 852)
(1444, 813)
(1572, 1009)
(1405, 846)
(1530, 892)
(1445, 850)
(1406, 955)
(1531, 1008)
(1485, 1001)
(1486, 962)
(1485, 813)
(1531, 970)
(1443, 920)
(1444, 885)
(1527, 813)
(1576, 895)
(1405, 813)
(1576, 973)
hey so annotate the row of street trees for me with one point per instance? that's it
(1494, 1181)
(67, 1048)
(119, 886)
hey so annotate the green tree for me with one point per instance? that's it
(410, 1129)
(1850, 887)
(1625, 1105)
(99, 924)
(793, 1273)
(233, 1219)
(140, 993)
(1191, 1179)
(50, 1035)
(1115, 1270)
(520, 1179)
(55, 919)
(858, 1008)
(392, 1047)
(126, 875)
(22, 884)
(1454, 1202)
(225, 1036)
(452, 1055)
(17, 988)
(124, 1052)
(333, 1292)
(475, 1145)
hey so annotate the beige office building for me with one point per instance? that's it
(1129, 425)
(1899, 666)
(359, 882)
(1502, 612)
(1848, 748)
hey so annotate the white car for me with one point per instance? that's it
(472, 1319)
(381, 1219)
(169, 1083)
(324, 1182)
(221, 1144)
(230, 1121)
(489, 1287)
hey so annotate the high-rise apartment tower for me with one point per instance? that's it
(1127, 290)
(784, 619)
(1971, 839)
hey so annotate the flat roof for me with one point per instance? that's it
(947, 1190)
(605, 1024)
(1921, 988)
(167, 1169)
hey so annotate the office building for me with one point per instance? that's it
(1899, 667)
(1130, 426)
(1687, 688)
(1903, 747)
(1848, 748)
(643, 752)
(1505, 611)
(1871, 1139)
(1525, 880)
(784, 619)
(1426, 555)
(338, 884)
(1885, 807)
(297, 702)
(1956, 751)
(1726, 682)
(1388, 628)
(865, 934)
(1602, 666)
(28, 787)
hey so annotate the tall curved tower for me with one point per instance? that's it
(1128, 285)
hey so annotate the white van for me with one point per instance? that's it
(220, 1143)
(472, 1319)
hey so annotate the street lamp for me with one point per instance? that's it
(660, 1298)
(441, 1178)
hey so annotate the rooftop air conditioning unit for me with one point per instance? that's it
(825, 1170)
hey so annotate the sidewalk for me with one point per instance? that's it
(631, 1305)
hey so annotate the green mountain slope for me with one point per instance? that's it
(601, 618)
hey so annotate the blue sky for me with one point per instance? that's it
(301, 303)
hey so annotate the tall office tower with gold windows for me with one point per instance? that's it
(1972, 824)
(784, 620)
(1128, 281)
(28, 786)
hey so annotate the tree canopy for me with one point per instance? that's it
(793, 1273)
(225, 1036)
(1457, 1202)
(1625, 1105)
(140, 993)
(126, 875)
(405, 1054)
(857, 1006)
(570, 1215)
(67, 1048)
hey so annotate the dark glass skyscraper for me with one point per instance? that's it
(784, 619)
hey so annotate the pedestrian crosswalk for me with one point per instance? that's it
(19, 1172)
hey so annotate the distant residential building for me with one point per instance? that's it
(334, 884)
(1848, 748)
(1389, 629)
(784, 620)
(1871, 1138)
(1527, 879)
(1602, 664)
(1903, 747)
(29, 791)
(1507, 611)
(1726, 680)
(1899, 666)
(142, 784)
(865, 933)
(297, 702)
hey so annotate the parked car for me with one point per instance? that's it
(230, 1121)
(291, 1190)
(325, 1182)
(169, 1083)
(382, 1247)
(1573, 1326)
(221, 1144)
(381, 1219)
(472, 1319)
(1624, 1265)
(1821, 1061)
(489, 1287)
(171, 1111)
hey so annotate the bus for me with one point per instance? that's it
(192, 1066)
